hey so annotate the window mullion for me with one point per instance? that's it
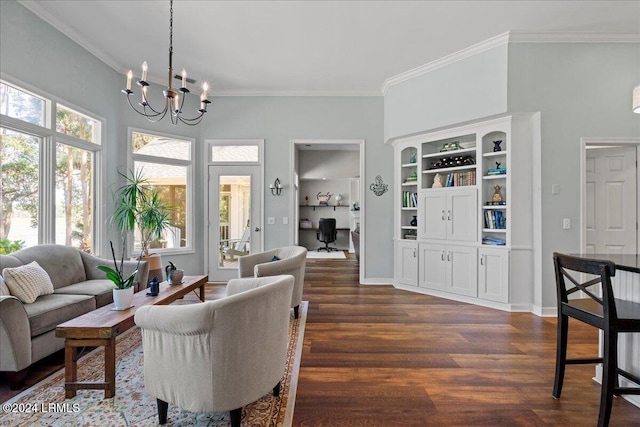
(47, 203)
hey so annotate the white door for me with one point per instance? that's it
(407, 258)
(235, 218)
(432, 214)
(462, 270)
(462, 211)
(611, 200)
(493, 274)
(433, 265)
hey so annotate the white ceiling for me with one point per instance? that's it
(310, 47)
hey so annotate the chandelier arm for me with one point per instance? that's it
(192, 122)
(152, 117)
(142, 113)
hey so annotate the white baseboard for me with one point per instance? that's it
(377, 281)
(544, 311)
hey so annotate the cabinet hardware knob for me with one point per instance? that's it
(481, 259)
(443, 214)
(442, 256)
(448, 256)
(449, 215)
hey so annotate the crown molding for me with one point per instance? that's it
(572, 37)
(34, 7)
(468, 52)
(511, 37)
(294, 93)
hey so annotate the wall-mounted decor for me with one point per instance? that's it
(323, 198)
(379, 187)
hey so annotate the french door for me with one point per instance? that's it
(235, 218)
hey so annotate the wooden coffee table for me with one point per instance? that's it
(99, 328)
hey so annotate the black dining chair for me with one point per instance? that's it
(601, 310)
(327, 233)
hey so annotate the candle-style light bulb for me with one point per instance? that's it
(205, 88)
(144, 71)
(129, 77)
(144, 94)
(177, 103)
(184, 78)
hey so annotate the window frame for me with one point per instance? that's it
(132, 157)
(49, 138)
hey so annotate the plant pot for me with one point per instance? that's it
(155, 267)
(122, 298)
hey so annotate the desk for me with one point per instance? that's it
(99, 328)
(626, 286)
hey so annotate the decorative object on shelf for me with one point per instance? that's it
(412, 178)
(636, 99)
(323, 199)
(338, 198)
(496, 146)
(497, 170)
(414, 221)
(450, 146)
(453, 161)
(379, 187)
(306, 200)
(172, 104)
(413, 157)
(276, 187)
(497, 195)
(437, 181)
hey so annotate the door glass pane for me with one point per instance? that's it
(235, 220)
(235, 153)
(19, 179)
(74, 197)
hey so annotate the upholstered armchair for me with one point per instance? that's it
(218, 355)
(290, 260)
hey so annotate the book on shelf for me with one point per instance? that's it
(409, 199)
(461, 179)
(497, 171)
(493, 241)
(495, 220)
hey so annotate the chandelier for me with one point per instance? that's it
(173, 102)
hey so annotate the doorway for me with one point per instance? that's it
(327, 179)
(609, 190)
(234, 194)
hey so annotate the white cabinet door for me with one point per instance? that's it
(407, 263)
(462, 214)
(432, 222)
(433, 266)
(493, 274)
(462, 270)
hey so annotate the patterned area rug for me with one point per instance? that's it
(44, 403)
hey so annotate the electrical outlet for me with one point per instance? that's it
(271, 220)
(566, 223)
(285, 220)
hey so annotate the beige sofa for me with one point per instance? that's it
(291, 260)
(27, 331)
(218, 355)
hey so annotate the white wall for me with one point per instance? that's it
(468, 89)
(333, 164)
(581, 90)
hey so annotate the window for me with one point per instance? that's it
(167, 163)
(48, 171)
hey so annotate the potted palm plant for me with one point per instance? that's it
(141, 210)
(123, 291)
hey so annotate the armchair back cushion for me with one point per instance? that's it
(292, 261)
(218, 355)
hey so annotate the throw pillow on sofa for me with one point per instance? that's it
(27, 282)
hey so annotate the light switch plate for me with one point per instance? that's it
(566, 223)
(271, 220)
(285, 220)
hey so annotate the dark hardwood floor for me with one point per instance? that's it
(378, 356)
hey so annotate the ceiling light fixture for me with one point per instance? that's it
(173, 103)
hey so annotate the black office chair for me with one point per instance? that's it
(612, 316)
(327, 233)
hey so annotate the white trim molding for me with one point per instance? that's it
(510, 37)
